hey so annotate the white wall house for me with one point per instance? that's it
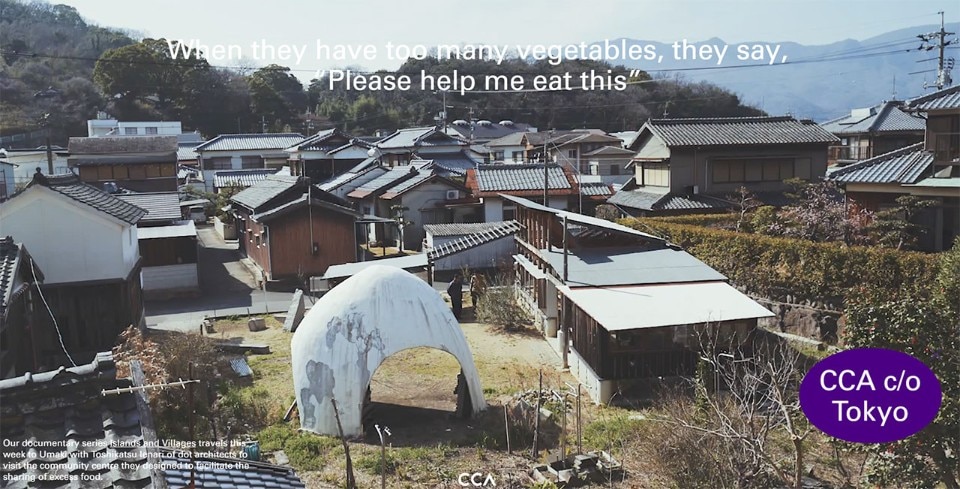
(113, 127)
(243, 151)
(26, 161)
(76, 242)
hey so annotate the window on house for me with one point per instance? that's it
(218, 163)
(151, 130)
(130, 131)
(498, 155)
(655, 174)
(572, 153)
(251, 162)
(517, 156)
(753, 170)
(509, 212)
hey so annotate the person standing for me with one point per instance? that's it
(455, 291)
(478, 286)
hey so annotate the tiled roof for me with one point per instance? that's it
(737, 131)
(11, 256)
(325, 140)
(262, 192)
(242, 178)
(123, 144)
(515, 139)
(416, 137)
(319, 199)
(407, 184)
(240, 142)
(69, 185)
(469, 241)
(387, 180)
(485, 130)
(351, 180)
(456, 163)
(160, 206)
(364, 165)
(948, 98)
(595, 189)
(184, 171)
(217, 473)
(67, 405)
(905, 165)
(187, 152)
(654, 201)
(513, 178)
(886, 117)
(461, 228)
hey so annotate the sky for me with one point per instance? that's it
(429, 22)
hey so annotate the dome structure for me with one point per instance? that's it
(352, 329)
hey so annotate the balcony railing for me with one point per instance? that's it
(855, 153)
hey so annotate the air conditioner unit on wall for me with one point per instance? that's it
(453, 194)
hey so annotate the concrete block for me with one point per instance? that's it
(256, 324)
(295, 312)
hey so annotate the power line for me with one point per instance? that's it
(55, 325)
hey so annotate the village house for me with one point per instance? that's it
(292, 229)
(490, 182)
(326, 154)
(140, 164)
(87, 247)
(418, 201)
(405, 145)
(243, 152)
(484, 246)
(23, 163)
(617, 303)
(20, 279)
(168, 245)
(484, 131)
(929, 169)
(873, 131)
(684, 166)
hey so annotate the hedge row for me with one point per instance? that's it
(705, 220)
(777, 267)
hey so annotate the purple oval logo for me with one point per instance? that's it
(870, 395)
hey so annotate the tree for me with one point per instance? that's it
(745, 202)
(276, 95)
(760, 398)
(923, 323)
(819, 213)
(895, 227)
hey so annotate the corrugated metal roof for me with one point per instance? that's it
(506, 178)
(407, 184)
(652, 201)
(70, 186)
(240, 142)
(588, 221)
(948, 98)
(418, 260)
(181, 230)
(241, 178)
(473, 240)
(160, 206)
(636, 199)
(738, 131)
(653, 306)
(905, 165)
(630, 266)
(885, 117)
(262, 192)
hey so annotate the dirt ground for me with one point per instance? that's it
(413, 395)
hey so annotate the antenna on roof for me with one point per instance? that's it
(893, 95)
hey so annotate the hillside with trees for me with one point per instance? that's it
(58, 70)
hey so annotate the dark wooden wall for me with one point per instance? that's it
(291, 250)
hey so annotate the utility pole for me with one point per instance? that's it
(944, 65)
(546, 174)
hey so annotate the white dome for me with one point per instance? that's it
(352, 329)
